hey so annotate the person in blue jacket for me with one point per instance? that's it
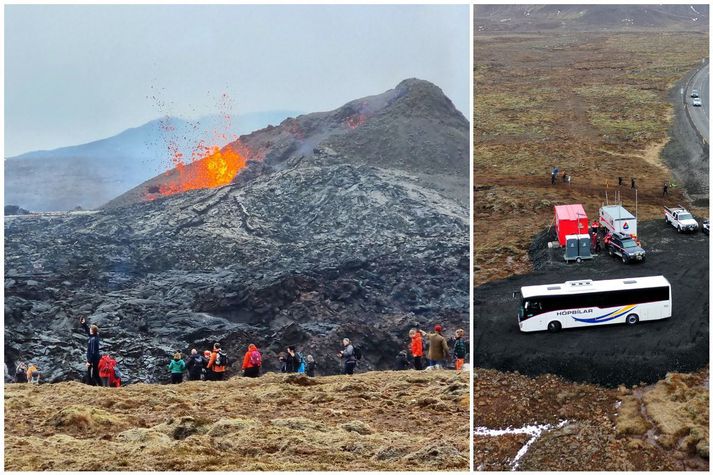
(93, 354)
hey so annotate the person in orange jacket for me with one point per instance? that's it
(252, 361)
(416, 348)
(217, 363)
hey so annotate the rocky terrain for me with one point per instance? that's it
(372, 421)
(323, 246)
(548, 423)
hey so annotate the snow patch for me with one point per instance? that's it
(534, 431)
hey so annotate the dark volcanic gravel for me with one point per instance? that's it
(607, 355)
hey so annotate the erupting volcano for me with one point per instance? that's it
(378, 131)
(214, 168)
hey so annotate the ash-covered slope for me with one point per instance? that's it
(413, 127)
(590, 17)
(321, 249)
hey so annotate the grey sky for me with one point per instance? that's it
(79, 73)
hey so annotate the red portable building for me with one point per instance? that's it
(570, 219)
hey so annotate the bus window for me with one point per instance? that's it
(532, 308)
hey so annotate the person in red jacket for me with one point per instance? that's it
(106, 369)
(252, 361)
(416, 348)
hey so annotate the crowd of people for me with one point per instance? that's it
(427, 351)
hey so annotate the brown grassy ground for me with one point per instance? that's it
(373, 421)
(592, 104)
(657, 427)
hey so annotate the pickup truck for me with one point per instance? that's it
(680, 219)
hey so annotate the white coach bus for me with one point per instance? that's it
(585, 303)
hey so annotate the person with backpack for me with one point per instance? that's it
(177, 367)
(311, 366)
(416, 348)
(460, 349)
(195, 366)
(106, 370)
(402, 361)
(437, 348)
(349, 357)
(21, 372)
(33, 374)
(93, 354)
(252, 362)
(218, 363)
(293, 360)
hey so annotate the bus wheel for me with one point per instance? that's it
(578, 260)
(632, 319)
(554, 326)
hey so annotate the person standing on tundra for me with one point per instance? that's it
(177, 367)
(93, 355)
(460, 348)
(252, 361)
(348, 356)
(416, 348)
(217, 363)
(437, 348)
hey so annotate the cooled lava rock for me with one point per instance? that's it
(325, 246)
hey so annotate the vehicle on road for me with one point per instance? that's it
(697, 102)
(706, 227)
(586, 303)
(680, 219)
(625, 247)
(694, 93)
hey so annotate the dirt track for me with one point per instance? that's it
(611, 355)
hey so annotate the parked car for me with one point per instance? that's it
(681, 219)
(696, 102)
(705, 227)
(624, 246)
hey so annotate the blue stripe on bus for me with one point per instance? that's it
(603, 318)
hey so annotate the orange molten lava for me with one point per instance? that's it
(355, 120)
(216, 168)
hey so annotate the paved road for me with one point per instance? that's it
(699, 115)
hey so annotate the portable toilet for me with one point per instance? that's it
(578, 247)
(570, 219)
